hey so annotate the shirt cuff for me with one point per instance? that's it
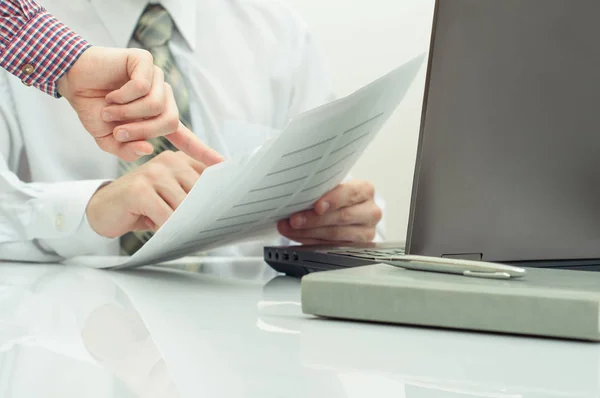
(68, 232)
(42, 51)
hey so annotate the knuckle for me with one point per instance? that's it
(358, 236)
(159, 72)
(138, 186)
(172, 123)
(345, 215)
(145, 54)
(369, 234)
(356, 196)
(369, 189)
(153, 170)
(377, 214)
(183, 158)
(167, 157)
(142, 86)
(155, 106)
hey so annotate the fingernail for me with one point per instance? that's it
(299, 221)
(324, 207)
(140, 153)
(122, 135)
(107, 117)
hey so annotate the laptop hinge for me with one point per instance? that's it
(465, 256)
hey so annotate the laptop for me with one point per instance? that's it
(508, 161)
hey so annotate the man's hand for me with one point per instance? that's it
(347, 213)
(122, 100)
(145, 198)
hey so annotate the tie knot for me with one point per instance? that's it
(155, 27)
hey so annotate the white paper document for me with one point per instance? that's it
(244, 197)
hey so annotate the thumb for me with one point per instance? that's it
(139, 66)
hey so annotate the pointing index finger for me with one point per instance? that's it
(186, 141)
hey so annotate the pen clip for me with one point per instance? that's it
(492, 275)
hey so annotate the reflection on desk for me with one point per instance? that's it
(235, 329)
(66, 332)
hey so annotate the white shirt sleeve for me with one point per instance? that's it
(46, 221)
(39, 221)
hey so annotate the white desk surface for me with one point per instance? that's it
(235, 329)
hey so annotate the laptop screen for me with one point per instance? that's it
(508, 166)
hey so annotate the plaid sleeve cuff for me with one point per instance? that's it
(42, 51)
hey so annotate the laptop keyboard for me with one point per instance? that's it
(369, 254)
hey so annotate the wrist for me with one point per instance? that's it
(93, 213)
(62, 86)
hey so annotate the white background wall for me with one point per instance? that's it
(362, 40)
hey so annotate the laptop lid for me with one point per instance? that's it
(508, 164)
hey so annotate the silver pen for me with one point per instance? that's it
(480, 269)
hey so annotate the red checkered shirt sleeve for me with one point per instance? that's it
(35, 46)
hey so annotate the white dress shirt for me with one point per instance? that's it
(247, 62)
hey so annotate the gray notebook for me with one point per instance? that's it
(545, 302)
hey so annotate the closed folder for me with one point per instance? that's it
(545, 302)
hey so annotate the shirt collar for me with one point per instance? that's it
(120, 17)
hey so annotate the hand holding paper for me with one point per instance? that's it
(244, 197)
(347, 213)
(145, 198)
